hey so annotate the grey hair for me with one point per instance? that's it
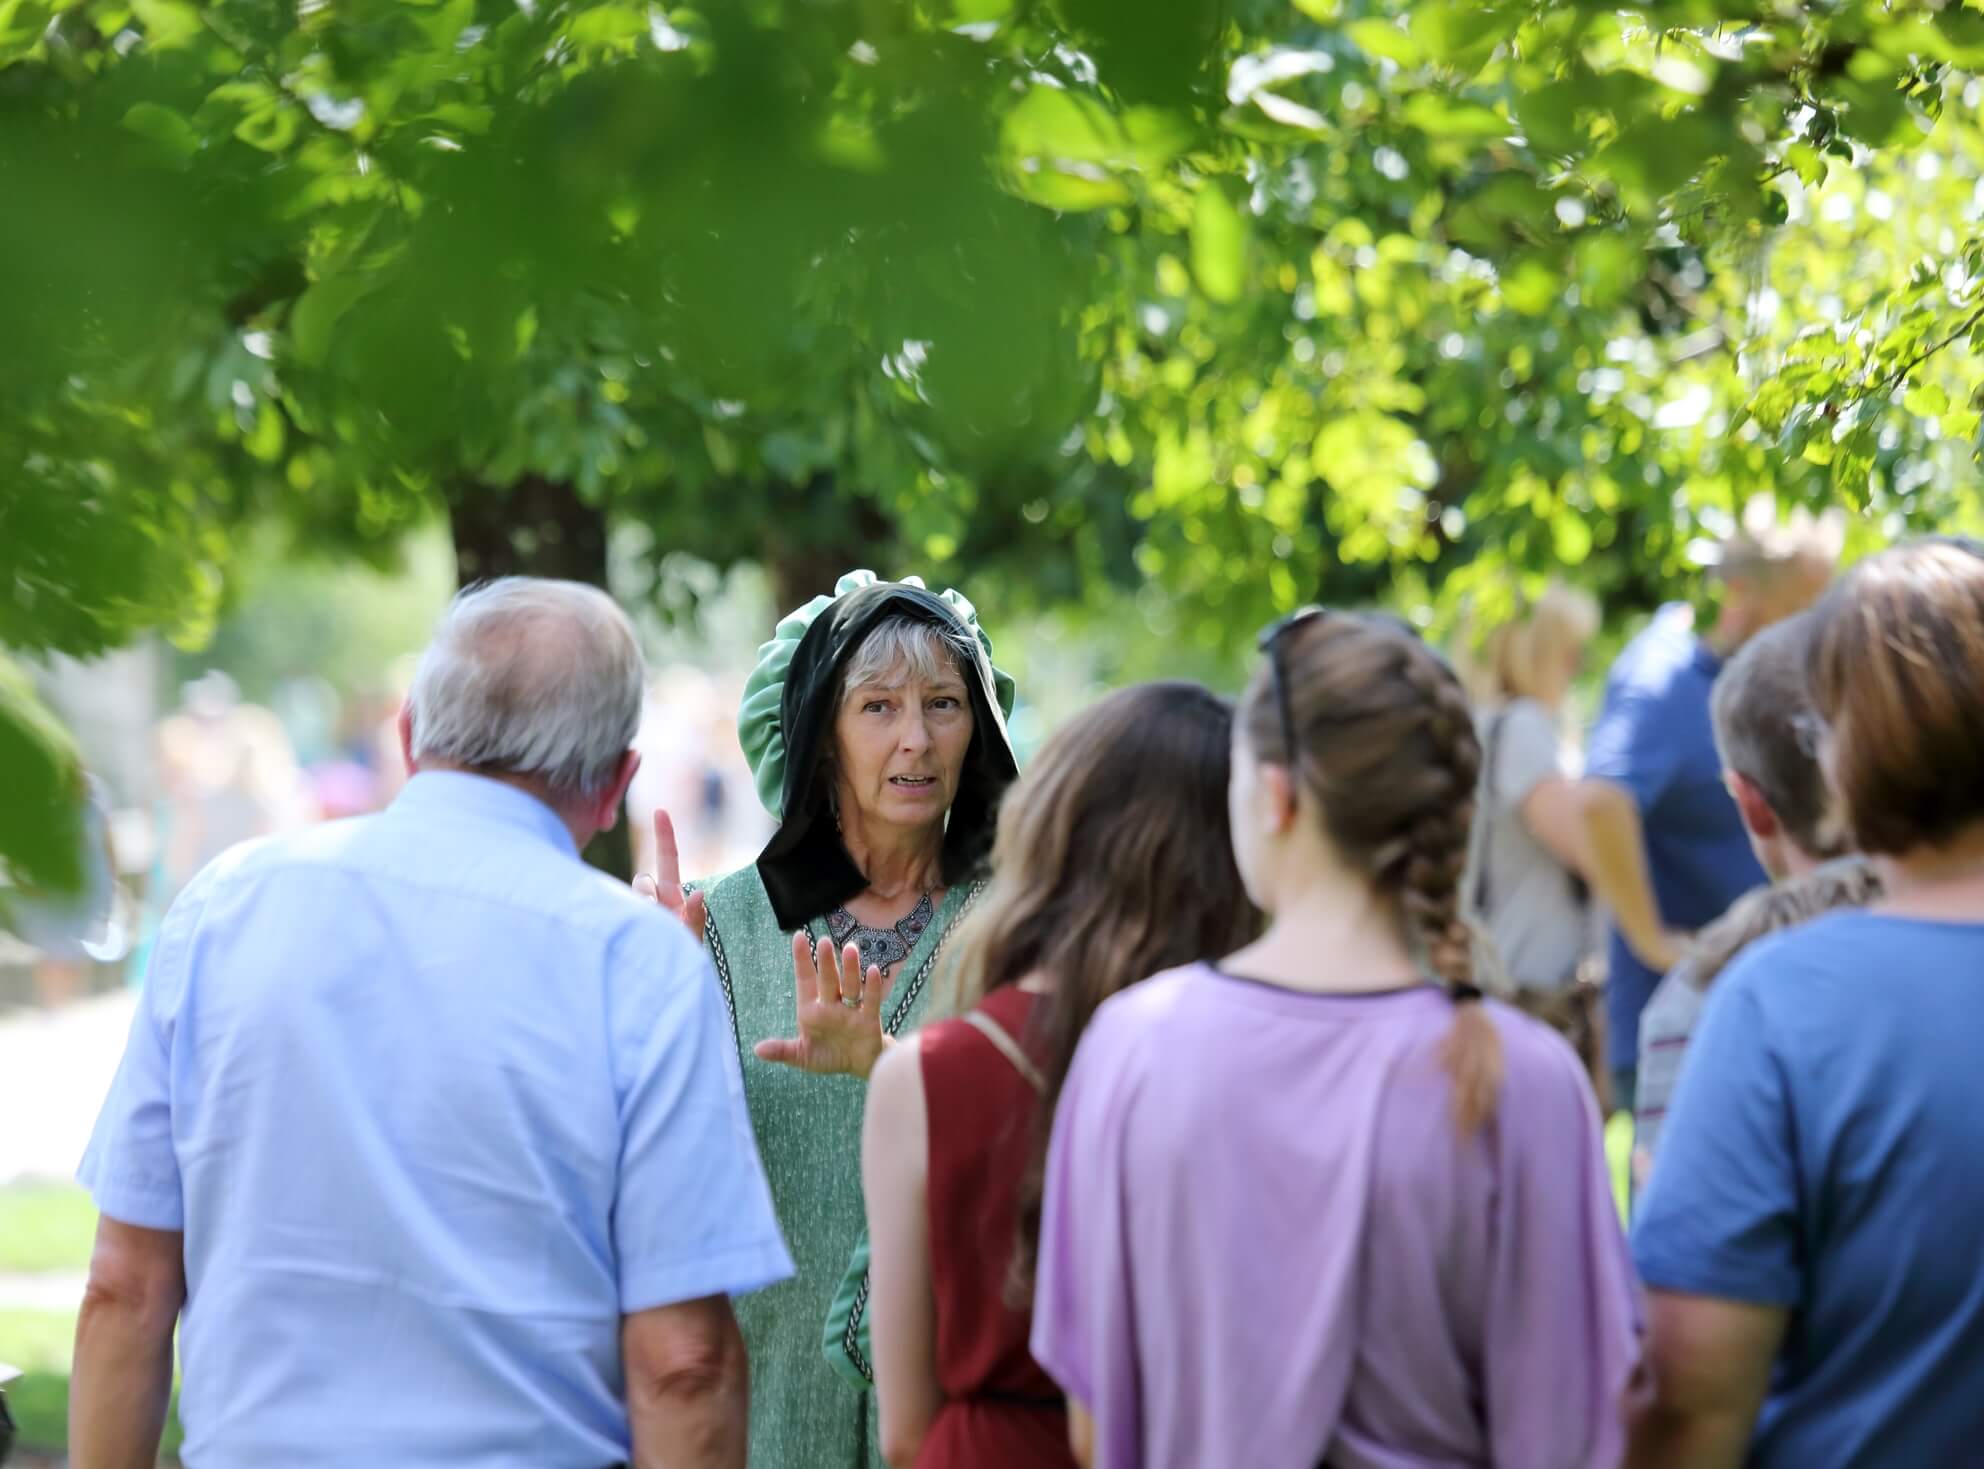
(1767, 731)
(530, 677)
(898, 650)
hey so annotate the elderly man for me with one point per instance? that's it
(429, 1136)
(1666, 849)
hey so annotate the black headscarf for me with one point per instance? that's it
(805, 867)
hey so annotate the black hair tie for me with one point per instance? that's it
(1463, 993)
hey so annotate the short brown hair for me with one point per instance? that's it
(1897, 673)
(1767, 731)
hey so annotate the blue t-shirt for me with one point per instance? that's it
(1654, 737)
(1825, 1153)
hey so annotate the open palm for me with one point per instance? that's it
(838, 1012)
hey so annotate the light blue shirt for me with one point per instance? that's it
(436, 1104)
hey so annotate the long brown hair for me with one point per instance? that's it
(1113, 862)
(1389, 754)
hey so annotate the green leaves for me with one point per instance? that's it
(314, 318)
(168, 23)
(41, 828)
(176, 137)
(1446, 117)
(1378, 300)
(1220, 233)
(1070, 151)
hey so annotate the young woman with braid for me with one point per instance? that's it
(1321, 1204)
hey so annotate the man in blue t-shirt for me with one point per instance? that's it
(1666, 846)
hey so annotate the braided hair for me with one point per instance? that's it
(1388, 751)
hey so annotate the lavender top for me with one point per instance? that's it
(1266, 1243)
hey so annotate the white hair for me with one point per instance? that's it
(531, 677)
(898, 650)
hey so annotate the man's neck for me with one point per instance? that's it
(581, 828)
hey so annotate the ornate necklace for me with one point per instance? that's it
(881, 948)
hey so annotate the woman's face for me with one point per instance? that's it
(899, 744)
(1565, 663)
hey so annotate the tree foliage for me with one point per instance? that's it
(1240, 301)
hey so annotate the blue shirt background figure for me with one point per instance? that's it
(1654, 738)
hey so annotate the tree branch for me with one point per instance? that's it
(1900, 374)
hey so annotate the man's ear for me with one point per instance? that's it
(614, 797)
(404, 724)
(1756, 812)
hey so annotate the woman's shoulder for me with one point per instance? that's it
(953, 1040)
(1136, 1022)
(736, 897)
(1150, 1001)
(1536, 1060)
(728, 882)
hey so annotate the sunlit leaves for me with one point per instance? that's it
(1067, 151)
(1365, 292)
(168, 23)
(1220, 234)
(41, 845)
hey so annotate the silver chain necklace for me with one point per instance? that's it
(881, 948)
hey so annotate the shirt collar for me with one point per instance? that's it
(457, 793)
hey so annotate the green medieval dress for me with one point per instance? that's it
(804, 1415)
(809, 1412)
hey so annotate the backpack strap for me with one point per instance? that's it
(1002, 1041)
(1487, 812)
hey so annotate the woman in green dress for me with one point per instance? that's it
(875, 724)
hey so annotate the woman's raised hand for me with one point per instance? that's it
(839, 1012)
(664, 884)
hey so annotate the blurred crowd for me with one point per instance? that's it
(218, 770)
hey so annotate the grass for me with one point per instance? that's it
(39, 1343)
(45, 1227)
(1619, 1159)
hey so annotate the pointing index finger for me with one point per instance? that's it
(667, 858)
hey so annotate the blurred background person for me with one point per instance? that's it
(229, 773)
(693, 767)
(1527, 869)
(1112, 863)
(1768, 735)
(1811, 1230)
(1656, 815)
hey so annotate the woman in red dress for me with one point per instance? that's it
(1112, 863)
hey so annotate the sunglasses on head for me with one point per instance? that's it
(1269, 643)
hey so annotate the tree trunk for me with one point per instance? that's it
(862, 538)
(538, 527)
